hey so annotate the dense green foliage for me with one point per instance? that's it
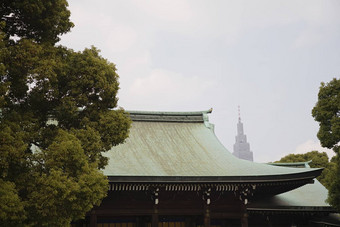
(327, 113)
(58, 113)
(11, 207)
(41, 20)
(319, 160)
(334, 190)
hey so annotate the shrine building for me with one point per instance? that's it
(172, 171)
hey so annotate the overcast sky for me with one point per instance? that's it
(267, 56)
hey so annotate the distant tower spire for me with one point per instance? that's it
(241, 146)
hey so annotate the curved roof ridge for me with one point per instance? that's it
(293, 164)
(167, 116)
(169, 113)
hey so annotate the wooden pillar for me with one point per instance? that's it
(224, 223)
(269, 223)
(189, 222)
(244, 220)
(137, 222)
(154, 221)
(154, 218)
(93, 219)
(141, 221)
(206, 216)
(81, 223)
(228, 223)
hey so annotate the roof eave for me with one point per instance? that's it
(307, 175)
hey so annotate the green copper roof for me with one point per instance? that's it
(180, 149)
(163, 149)
(291, 164)
(159, 146)
(307, 197)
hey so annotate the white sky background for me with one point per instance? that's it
(267, 56)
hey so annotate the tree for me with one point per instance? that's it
(11, 207)
(319, 160)
(40, 20)
(334, 190)
(327, 113)
(330, 173)
(58, 114)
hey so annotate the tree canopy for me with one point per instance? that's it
(58, 114)
(327, 112)
(319, 160)
(40, 20)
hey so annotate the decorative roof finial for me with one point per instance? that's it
(239, 114)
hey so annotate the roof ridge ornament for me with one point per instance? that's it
(206, 120)
(172, 113)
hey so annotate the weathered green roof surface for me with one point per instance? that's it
(310, 197)
(292, 164)
(168, 144)
(307, 197)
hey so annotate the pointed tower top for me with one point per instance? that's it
(241, 146)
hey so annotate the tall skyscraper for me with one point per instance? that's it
(241, 146)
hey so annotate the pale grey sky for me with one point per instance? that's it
(268, 56)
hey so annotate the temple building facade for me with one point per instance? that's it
(173, 172)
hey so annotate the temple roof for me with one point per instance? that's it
(309, 197)
(306, 197)
(182, 147)
(292, 164)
